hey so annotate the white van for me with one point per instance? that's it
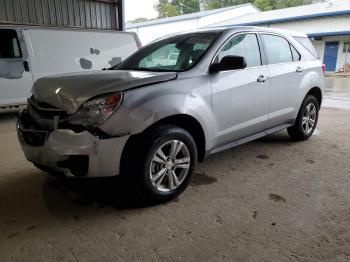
(29, 53)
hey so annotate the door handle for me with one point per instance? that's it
(26, 66)
(299, 69)
(262, 79)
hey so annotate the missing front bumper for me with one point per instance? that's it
(74, 154)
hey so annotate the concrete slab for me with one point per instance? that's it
(269, 200)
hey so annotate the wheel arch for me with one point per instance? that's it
(317, 93)
(187, 122)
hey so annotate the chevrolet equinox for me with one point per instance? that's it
(152, 117)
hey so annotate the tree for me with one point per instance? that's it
(265, 5)
(138, 20)
(168, 8)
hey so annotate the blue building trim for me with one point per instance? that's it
(295, 18)
(329, 34)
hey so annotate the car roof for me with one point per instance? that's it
(243, 28)
(234, 29)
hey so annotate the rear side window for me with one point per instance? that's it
(245, 45)
(277, 49)
(9, 44)
(305, 42)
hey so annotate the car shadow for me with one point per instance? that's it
(113, 192)
(72, 198)
(102, 192)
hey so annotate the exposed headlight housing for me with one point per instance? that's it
(96, 111)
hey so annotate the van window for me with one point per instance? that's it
(9, 44)
(295, 54)
(305, 42)
(277, 49)
(245, 45)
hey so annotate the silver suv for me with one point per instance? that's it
(151, 118)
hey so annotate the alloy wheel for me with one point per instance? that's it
(170, 166)
(309, 118)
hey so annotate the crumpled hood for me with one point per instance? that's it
(70, 91)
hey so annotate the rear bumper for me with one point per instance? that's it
(74, 154)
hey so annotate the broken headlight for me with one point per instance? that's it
(96, 111)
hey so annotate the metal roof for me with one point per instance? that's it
(329, 8)
(188, 16)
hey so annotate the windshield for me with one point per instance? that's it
(178, 53)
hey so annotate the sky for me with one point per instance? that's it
(139, 8)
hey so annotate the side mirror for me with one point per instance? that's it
(230, 62)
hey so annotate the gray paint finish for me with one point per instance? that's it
(63, 91)
(231, 106)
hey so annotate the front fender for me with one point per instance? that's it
(145, 106)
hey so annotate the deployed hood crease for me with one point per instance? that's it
(70, 91)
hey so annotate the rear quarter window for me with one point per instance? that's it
(305, 42)
(278, 49)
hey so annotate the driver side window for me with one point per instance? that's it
(9, 44)
(245, 45)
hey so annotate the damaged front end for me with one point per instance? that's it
(52, 143)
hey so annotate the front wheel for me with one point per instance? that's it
(164, 161)
(306, 121)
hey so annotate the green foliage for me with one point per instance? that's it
(265, 5)
(167, 8)
(138, 20)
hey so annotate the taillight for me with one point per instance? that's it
(324, 68)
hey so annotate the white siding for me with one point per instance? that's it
(342, 57)
(318, 25)
(148, 33)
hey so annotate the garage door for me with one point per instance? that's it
(98, 14)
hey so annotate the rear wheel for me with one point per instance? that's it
(306, 121)
(164, 160)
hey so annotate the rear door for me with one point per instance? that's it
(59, 51)
(15, 76)
(287, 70)
(240, 98)
(110, 48)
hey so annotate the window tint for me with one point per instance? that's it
(295, 54)
(9, 45)
(245, 45)
(277, 49)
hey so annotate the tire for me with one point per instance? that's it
(306, 121)
(144, 161)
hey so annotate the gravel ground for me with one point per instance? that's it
(269, 200)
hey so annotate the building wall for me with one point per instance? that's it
(148, 33)
(318, 25)
(342, 57)
(63, 13)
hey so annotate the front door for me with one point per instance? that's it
(240, 98)
(15, 77)
(330, 56)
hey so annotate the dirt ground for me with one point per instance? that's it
(269, 200)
